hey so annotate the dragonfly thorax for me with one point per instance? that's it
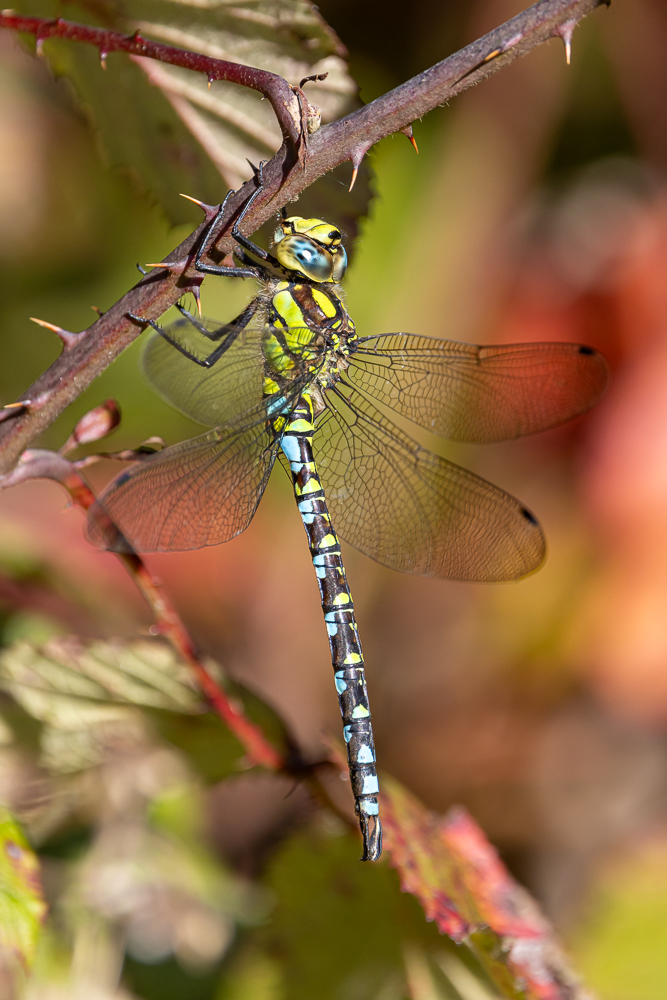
(300, 304)
(307, 328)
(311, 247)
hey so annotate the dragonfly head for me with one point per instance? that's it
(311, 247)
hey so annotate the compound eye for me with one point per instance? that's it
(340, 265)
(298, 253)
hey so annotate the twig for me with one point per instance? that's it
(42, 464)
(86, 355)
(284, 101)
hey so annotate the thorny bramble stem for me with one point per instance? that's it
(276, 90)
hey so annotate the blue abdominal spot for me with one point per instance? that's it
(276, 406)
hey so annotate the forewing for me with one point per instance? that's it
(469, 393)
(221, 394)
(201, 492)
(412, 510)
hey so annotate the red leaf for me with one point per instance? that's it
(462, 884)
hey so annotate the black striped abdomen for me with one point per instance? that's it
(346, 654)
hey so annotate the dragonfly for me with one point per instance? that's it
(291, 379)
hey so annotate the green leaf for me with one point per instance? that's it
(340, 928)
(84, 695)
(162, 122)
(22, 907)
(87, 696)
(451, 868)
(253, 976)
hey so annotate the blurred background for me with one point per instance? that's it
(536, 210)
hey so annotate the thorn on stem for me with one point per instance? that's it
(496, 53)
(356, 157)
(565, 31)
(502, 49)
(14, 409)
(176, 267)
(23, 406)
(193, 287)
(210, 211)
(407, 131)
(69, 339)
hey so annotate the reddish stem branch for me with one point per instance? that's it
(50, 465)
(276, 90)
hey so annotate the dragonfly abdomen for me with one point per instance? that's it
(346, 654)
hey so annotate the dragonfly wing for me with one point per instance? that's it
(201, 492)
(469, 393)
(219, 394)
(414, 511)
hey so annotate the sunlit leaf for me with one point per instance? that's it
(163, 122)
(22, 907)
(87, 697)
(84, 695)
(451, 868)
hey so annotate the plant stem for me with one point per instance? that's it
(276, 90)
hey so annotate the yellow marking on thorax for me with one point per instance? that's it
(287, 308)
(324, 302)
(276, 355)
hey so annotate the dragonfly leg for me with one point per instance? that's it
(144, 321)
(207, 362)
(229, 332)
(229, 272)
(221, 269)
(239, 323)
(346, 654)
(249, 271)
(238, 235)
